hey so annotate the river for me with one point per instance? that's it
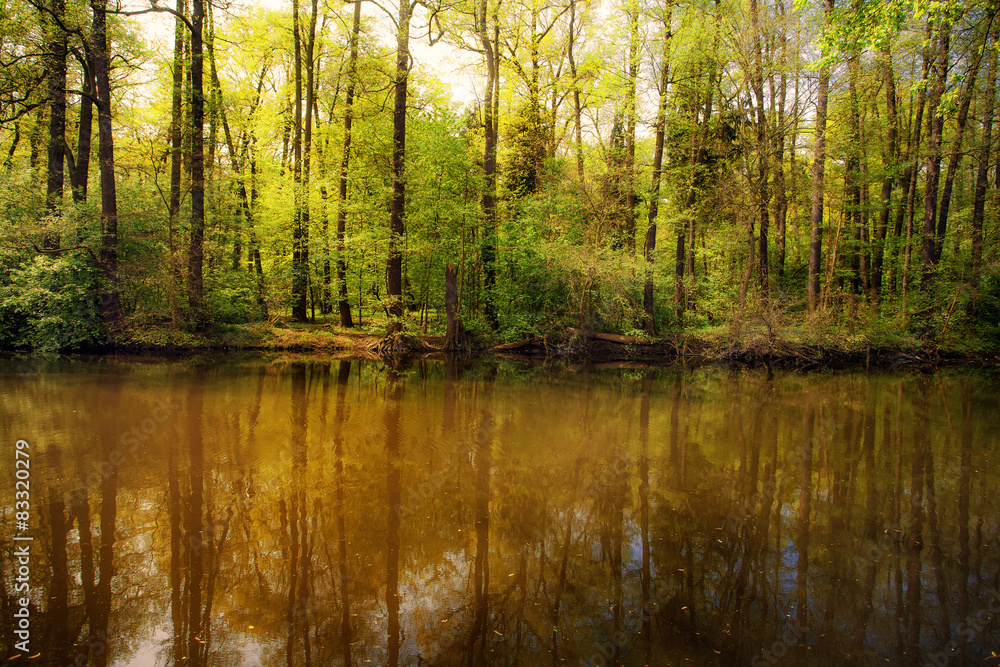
(302, 511)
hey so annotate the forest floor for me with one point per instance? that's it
(802, 348)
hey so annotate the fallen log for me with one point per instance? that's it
(611, 338)
(527, 342)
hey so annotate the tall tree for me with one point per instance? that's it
(196, 250)
(56, 65)
(955, 155)
(110, 299)
(575, 84)
(935, 123)
(300, 216)
(654, 190)
(311, 81)
(397, 206)
(979, 198)
(176, 151)
(819, 173)
(890, 155)
(345, 161)
(780, 188)
(80, 166)
(852, 166)
(763, 149)
(632, 73)
(488, 196)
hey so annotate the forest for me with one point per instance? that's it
(647, 169)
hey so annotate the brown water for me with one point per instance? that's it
(330, 513)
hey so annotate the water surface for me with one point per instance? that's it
(335, 512)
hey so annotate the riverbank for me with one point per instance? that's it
(798, 348)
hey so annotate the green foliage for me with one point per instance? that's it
(49, 304)
(231, 298)
(521, 139)
(987, 309)
(564, 254)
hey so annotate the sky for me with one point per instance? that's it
(454, 67)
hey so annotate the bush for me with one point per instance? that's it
(232, 299)
(50, 304)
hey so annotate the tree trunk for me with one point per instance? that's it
(300, 239)
(654, 189)
(933, 168)
(307, 147)
(780, 193)
(352, 77)
(57, 120)
(913, 149)
(81, 172)
(889, 159)
(763, 159)
(853, 171)
(577, 125)
(979, 201)
(684, 257)
(176, 153)
(488, 198)
(956, 149)
(451, 306)
(819, 172)
(534, 101)
(630, 122)
(110, 300)
(196, 250)
(397, 208)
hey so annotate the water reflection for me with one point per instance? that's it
(308, 512)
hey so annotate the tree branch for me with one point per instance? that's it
(155, 9)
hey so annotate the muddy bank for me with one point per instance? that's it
(573, 345)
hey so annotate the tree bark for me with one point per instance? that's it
(110, 300)
(933, 168)
(300, 239)
(81, 171)
(979, 200)
(397, 207)
(819, 172)
(176, 152)
(913, 150)
(965, 101)
(890, 156)
(780, 192)
(352, 77)
(577, 125)
(853, 171)
(57, 120)
(630, 122)
(451, 306)
(763, 149)
(488, 197)
(196, 250)
(307, 146)
(654, 189)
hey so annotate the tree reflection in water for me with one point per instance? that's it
(335, 513)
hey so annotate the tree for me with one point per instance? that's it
(57, 116)
(196, 287)
(397, 205)
(300, 221)
(110, 299)
(819, 172)
(345, 160)
(654, 190)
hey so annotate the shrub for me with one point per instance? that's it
(50, 304)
